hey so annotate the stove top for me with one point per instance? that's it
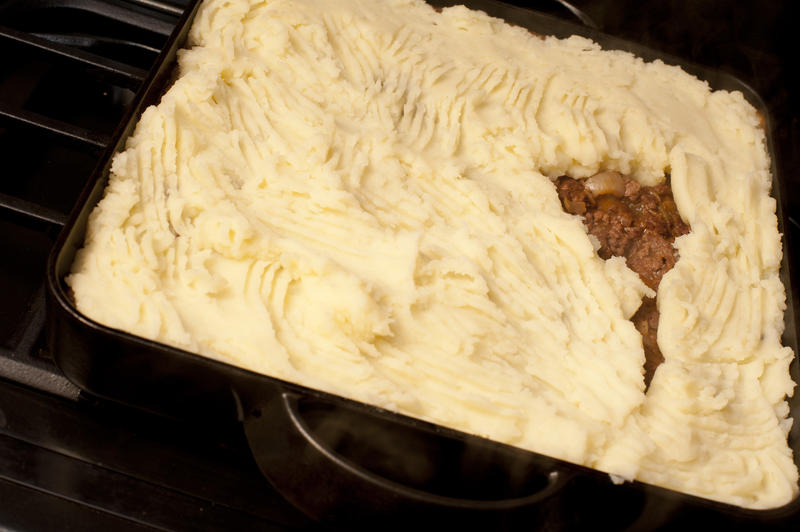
(70, 68)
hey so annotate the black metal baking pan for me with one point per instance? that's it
(343, 461)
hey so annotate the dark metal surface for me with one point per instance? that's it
(30, 209)
(55, 127)
(59, 103)
(149, 21)
(145, 469)
(120, 73)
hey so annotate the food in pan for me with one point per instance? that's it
(362, 196)
(633, 221)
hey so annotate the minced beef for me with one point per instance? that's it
(633, 221)
(651, 256)
(646, 322)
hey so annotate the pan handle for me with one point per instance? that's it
(328, 486)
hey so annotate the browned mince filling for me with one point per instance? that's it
(633, 221)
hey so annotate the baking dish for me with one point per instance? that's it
(330, 455)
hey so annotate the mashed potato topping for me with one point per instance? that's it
(356, 195)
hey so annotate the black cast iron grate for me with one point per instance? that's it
(70, 70)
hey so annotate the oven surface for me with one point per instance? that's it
(70, 69)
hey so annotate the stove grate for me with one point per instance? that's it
(71, 69)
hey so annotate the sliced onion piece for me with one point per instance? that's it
(608, 182)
